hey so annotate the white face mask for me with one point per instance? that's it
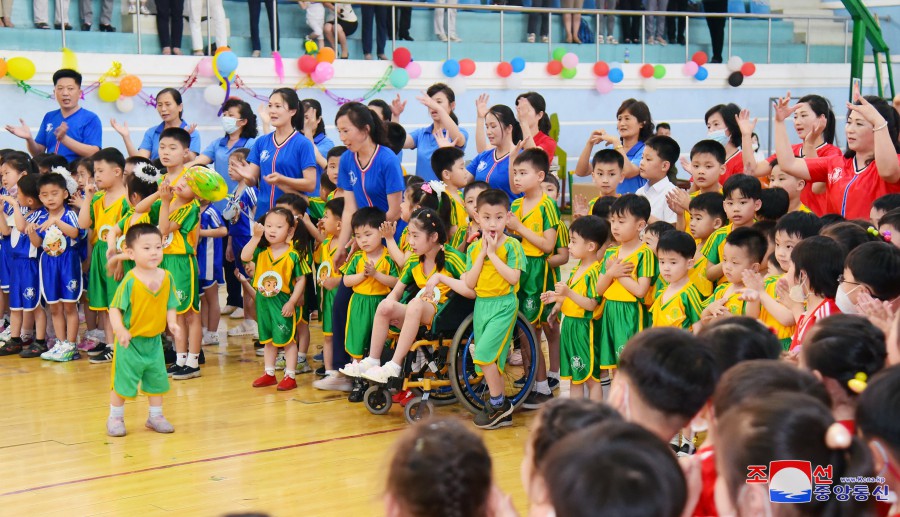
(843, 301)
(755, 147)
(229, 124)
(796, 293)
(719, 136)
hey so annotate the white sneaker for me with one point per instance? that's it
(132, 9)
(333, 382)
(237, 314)
(6, 335)
(145, 10)
(357, 368)
(53, 352)
(381, 374)
(454, 38)
(442, 38)
(245, 328)
(210, 338)
(228, 309)
(279, 361)
(261, 352)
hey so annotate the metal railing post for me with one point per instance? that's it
(208, 30)
(393, 27)
(137, 18)
(275, 25)
(769, 44)
(846, 41)
(687, 39)
(501, 35)
(729, 36)
(550, 34)
(643, 39)
(63, 34)
(808, 28)
(597, 38)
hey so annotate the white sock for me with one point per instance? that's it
(552, 374)
(193, 360)
(155, 411)
(542, 387)
(393, 367)
(270, 371)
(301, 357)
(372, 361)
(181, 359)
(116, 411)
(289, 373)
(331, 372)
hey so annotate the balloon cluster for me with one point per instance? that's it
(513, 73)
(456, 71)
(651, 74)
(19, 68)
(223, 66)
(607, 76)
(120, 92)
(563, 63)
(404, 68)
(317, 63)
(694, 68)
(739, 70)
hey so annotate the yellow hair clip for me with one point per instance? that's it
(858, 383)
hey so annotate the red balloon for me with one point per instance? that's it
(700, 58)
(402, 56)
(601, 69)
(504, 69)
(647, 71)
(466, 67)
(554, 67)
(307, 63)
(748, 69)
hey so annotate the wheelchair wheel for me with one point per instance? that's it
(378, 400)
(470, 387)
(418, 409)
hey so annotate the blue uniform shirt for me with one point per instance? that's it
(151, 140)
(371, 186)
(289, 159)
(323, 144)
(425, 147)
(485, 167)
(630, 185)
(84, 127)
(71, 218)
(219, 152)
(21, 244)
(240, 212)
(210, 250)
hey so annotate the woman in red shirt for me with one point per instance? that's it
(868, 170)
(532, 114)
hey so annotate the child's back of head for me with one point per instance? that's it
(47, 161)
(740, 338)
(775, 203)
(396, 136)
(603, 206)
(751, 240)
(876, 415)
(760, 378)
(848, 235)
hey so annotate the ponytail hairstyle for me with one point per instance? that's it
(423, 195)
(426, 481)
(791, 426)
(364, 119)
(890, 115)
(507, 119)
(313, 104)
(540, 106)
(822, 108)
(20, 162)
(846, 348)
(290, 98)
(437, 88)
(298, 204)
(429, 222)
(278, 210)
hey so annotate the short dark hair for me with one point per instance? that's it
(743, 184)
(28, 186)
(831, 219)
(799, 224)
(740, 338)
(134, 160)
(563, 416)
(396, 136)
(712, 203)
(775, 203)
(631, 204)
(659, 228)
(382, 106)
(759, 378)
(110, 155)
(492, 197)
(608, 156)
(822, 259)
(50, 160)
(671, 369)
(877, 265)
(591, 228)
(444, 158)
(677, 242)
(640, 111)
(66, 73)
(887, 202)
(326, 182)
(875, 408)
(242, 152)
(843, 345)
(412, 180)
(476, 185)
(729, 113)
(710, 147)
(367, 216)
(750, 240)
(848, 234)
(335, 206)
(767, 228)
(603, 206)
(535, 156)
(336, 152)
(667, 149)
(551, 179)
(178, 134)
(663, 125)
(139, 230)
(53, 179)
(892, 219)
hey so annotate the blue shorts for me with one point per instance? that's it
(5, 258)
(210, 276)
(61, 277)
(24, 285)
(237, 244)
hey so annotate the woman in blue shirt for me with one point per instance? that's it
(440, 101)
(239, 123)
(314, 130)
(170, 109)
(282, 161)
(502, 130)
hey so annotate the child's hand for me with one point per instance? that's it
(47, 224)
(118, 271)
(880, 313)
(165, 193)
(388, 229)
(717, 309)
(288, 310)
(619, 269)
(369, 268)
(685, 164)
(678, 200)
(330, 282)
(123, 336)
(548, 297)
(258, 230)
(481, 105)
(783, 291)
(744, 122)
(490, 243)
(30, 228)
(89, 190)
(561, 289)
(580, 206)
(513, 223)
(11, 201)
(753, 280)
(397, 107)
(433, 282)
(749, 295)
(177, 331)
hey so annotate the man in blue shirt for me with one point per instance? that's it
(71, 131)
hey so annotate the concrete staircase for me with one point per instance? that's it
(817, 32)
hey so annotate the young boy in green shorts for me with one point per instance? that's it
(559, 258)
(494, 265)
(535, 219)
(328, 276)
(742, 199)
(138, 322)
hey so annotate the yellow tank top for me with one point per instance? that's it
(104, 218)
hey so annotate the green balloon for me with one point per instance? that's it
(659, 71)
(558, 53)
(568, 73)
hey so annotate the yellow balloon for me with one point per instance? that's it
(109, 92)
(20, 68)
(69, 60)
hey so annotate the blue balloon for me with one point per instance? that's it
(518, 64)
(616, 75)
(701, 74)
(451, 68)
(226, 62)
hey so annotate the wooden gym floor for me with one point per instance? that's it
(235, 448)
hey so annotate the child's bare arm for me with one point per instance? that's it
(354, 279)
(545, 241)
(144, 206)
(638, 287)
(216, 233)
(509, 274)
(84, 212)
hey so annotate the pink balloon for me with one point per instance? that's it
(570, 60)
(690, 68)
(603, 85)
(323, 72)
(205, 68)
(414, 70)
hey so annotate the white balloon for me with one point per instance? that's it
(124, 104)
(514, 81)
(214, 95)
(458, 84)
(650, 84)
(735, 63)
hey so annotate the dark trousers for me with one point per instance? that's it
(675, 24)
(339, 322)
(631, 25)
(404, 21)
(716, 27)
(255, 8)
(535, 19)
(377, 16)
(232, 286)
(170, 22)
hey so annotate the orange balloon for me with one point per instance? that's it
(2, 68)
(325, 55)
(130, 85)
(222, 49)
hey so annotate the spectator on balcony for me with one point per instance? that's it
(6, 12)
(376, 15)
(572, 22)
(315, 20)
(656, 25)
(631, 25)
(42, 16)
(170, 109)
(404, 22)
(217, 13)
(170, 25)
(536, 19)
(346, 26)
(716, 27)
(274, 26)
(86, 7)
(448, 31)
(675, 24)
(608, 21)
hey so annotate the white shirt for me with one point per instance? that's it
(656, 195)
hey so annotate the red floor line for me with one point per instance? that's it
(204, 460)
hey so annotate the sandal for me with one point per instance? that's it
(166, 51)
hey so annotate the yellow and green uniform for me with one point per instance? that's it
(274, 280)
(554, 274)
(365, 299)
(458, 214)
(460, 236)
(734, 304)
(179, 256)
(698, 276)
(577, 360)
(714, 248)
(687, 213)
(623, 313)
(682, 310)
(414, 273)
(656, 283)
(540, 218)
(142, 362)
(324, 257)
(310, 299)
(105, 213)
(404, 240)
(784, 333)
(125, 223)
(496, 304)
(316, 208)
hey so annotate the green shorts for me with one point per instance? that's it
(494, 322)
(101, 286)
(274, 328)
(187, 285)
(785, 343)
(554, 274)
(576, 350)
(619, 322)
(310, 298)
(327, 306)
(361, 313)
(532, 285)
(141, 362)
